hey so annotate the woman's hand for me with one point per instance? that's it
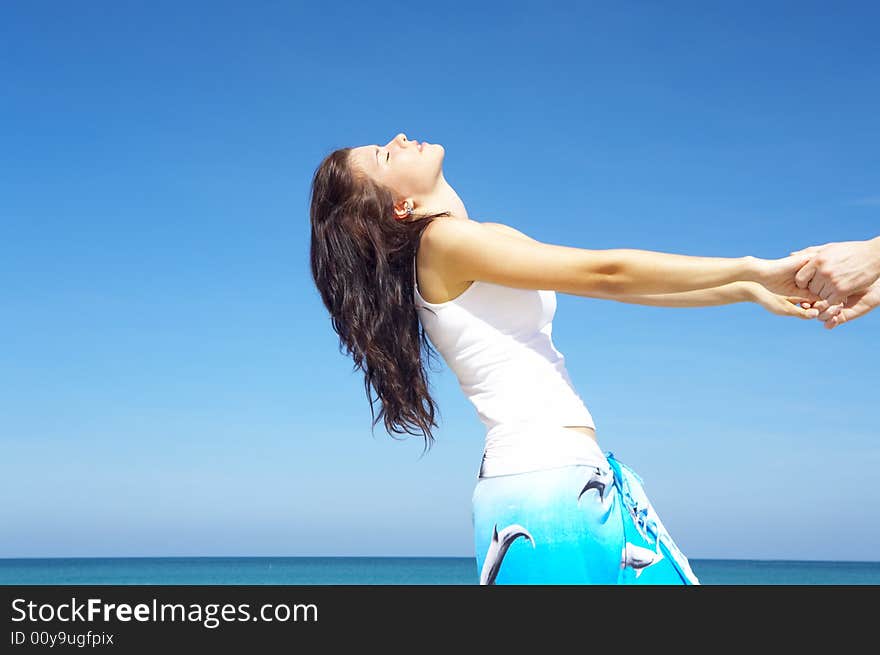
(778, 276)
(784, 305)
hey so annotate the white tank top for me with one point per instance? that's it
(498, 342)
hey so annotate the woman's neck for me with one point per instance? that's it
(444, 199)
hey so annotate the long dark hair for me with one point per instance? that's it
(362, 261)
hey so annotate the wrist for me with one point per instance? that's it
(749, 291)
(751, 269)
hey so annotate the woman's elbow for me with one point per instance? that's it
(610, 285)
(606, 278)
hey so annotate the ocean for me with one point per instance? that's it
(379, 570)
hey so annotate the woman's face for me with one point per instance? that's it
(411, 169)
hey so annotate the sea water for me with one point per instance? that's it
(379, 570)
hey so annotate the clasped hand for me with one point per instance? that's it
(835, 282)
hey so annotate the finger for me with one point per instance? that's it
(802, 277)
(852, 313)
(821, 305)
(816, 285)
(805, 295)
(835, 297)
(831, 293)
(835, 320)
(832, 311)
(847, 314)
(800, 307)
(806, 314)
(809, 250)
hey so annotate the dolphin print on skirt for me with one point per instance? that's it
(501, 541)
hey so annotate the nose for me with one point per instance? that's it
(400, 138)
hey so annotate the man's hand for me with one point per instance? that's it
(857, 305)
(838, 270)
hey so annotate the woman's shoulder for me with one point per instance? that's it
(462, 250)
(442, 230)
(447, 235)
(501, 227)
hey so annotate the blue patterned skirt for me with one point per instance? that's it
(574, 524)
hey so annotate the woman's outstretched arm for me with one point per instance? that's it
(467, 250)
(728, 294)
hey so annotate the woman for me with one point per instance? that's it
(393, 249)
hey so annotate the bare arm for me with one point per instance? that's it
(735, 292)
(468, 250)
(726, 294)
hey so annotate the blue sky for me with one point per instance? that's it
(170, 381)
